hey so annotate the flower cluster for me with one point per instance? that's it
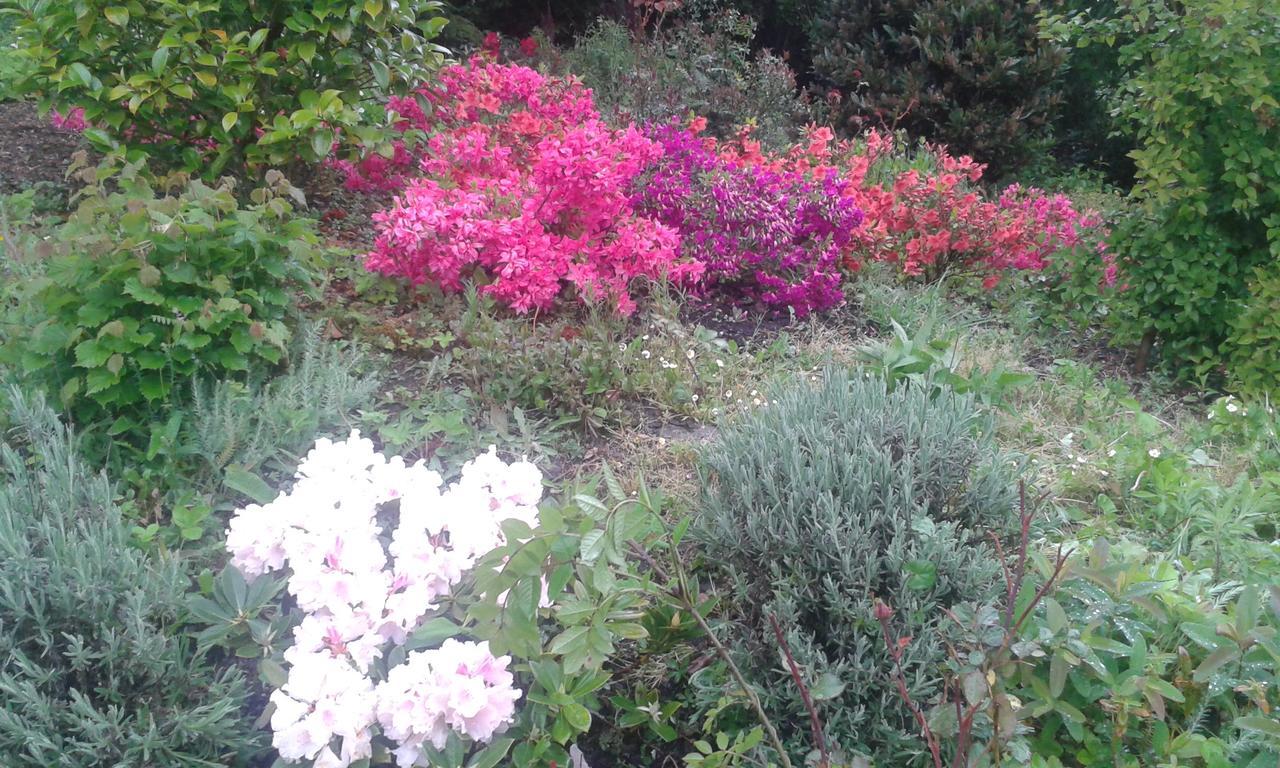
(931, 217)
(72, 122)
(521, 180)
(360, 598)
(763, 234)
(934, 221)
(458, 686)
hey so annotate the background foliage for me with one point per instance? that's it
(974, 75)
(1203, 102)
(220, 84)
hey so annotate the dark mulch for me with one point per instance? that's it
(752, 327)
(31, 150)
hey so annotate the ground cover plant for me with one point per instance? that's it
(598, 394)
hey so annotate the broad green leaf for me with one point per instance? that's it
(241, 480)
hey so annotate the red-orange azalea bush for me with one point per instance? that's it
(926, 214)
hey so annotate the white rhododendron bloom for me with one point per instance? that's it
(325, 697)
(458, 686)
(360, 598)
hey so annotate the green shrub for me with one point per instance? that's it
(1252, 349)
(1202, 100)
(837, 494)
(214, 85)
(143, 294)
(701, 66)
(973, 74)
(13, 67)
(93, 667)
(231, 431)
(1137, 660)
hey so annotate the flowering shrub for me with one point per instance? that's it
(778, 227)
(923, 210)
(524, 183)
(409, 601)
(932, 219)
(768, 235)
(361, 600)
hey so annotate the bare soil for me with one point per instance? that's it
(31, 149)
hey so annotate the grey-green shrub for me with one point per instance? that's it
(94, 667)
(256, 423)
(835, 494)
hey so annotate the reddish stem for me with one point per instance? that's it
(814, 722)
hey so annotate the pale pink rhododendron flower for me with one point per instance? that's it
(459, 686)
(361, 599)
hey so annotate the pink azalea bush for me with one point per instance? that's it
(520, 186)
(361, 600)
(523, 186)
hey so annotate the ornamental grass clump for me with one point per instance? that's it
(835, 495)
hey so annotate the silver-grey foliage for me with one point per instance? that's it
(94, 668)
(252, 424)
(839, 493)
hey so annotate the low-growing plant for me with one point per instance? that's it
(217, 86)
(1134, 661)
(835, 494)
(96, 670)
(934, 361)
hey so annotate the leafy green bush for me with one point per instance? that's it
(1203, 101)
(93, 668)
(142, 294)
(216, 85)
(973, 74)
(1253, 346)
(1135, 660)
(701, 66)
(13, 67)
(835, 495)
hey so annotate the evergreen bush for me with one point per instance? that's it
(94, 670)
(972, 74)
(834, 495)
(701, 65)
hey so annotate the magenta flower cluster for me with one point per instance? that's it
(763, 236)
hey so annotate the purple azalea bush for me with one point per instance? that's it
(763, 236)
